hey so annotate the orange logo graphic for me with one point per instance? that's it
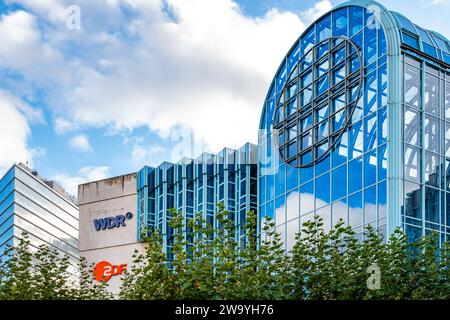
(103, 271)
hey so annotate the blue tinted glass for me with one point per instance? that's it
(413, 233)
(412, 201)
(270, 187)
(323, 190)
(280, 180)
(428, 49)
(410, 40)
(382, 162)
(432, 204)
(370, 204)
(405, 23)
(280, 210)
(355, 140)
(339, 211)
(292, 174)
(308, 41)
(382, 200)
(370, 137)
(281, 79)
(370, 96)
(355, 214)
(306, 198)
(370, 168)
(340, 153)
(382, 125)
(293, 58)
(339, 181)
(270, 209)
(382, 46)
(370, 45)
(340, 22)
(323, 166)
(355, 175)
(324, 28)
(355, 19)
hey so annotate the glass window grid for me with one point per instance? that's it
(429, 69)
(381, 104)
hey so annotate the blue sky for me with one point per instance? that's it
(143, 80)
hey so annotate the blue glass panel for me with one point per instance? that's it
(370, 44)
(405, 23)
(281, 78)
(432, 204)
(370, 96)
(410, 40)
(280, 180)
(339, 210)
(355, 175)
(382, 125)
(382, 162)
(323, 166)
(412, 200)
(370, 168)
(270, 187)
(324, 28)
(306, 174)
(370, 204)
(323, 190)
(356, 140)
(382, 46)
(355, 214)
(308, 41)
(356, 15)
(306, 198)
(429, 49)
(340, 153)
(339, 183)
(382, 200)
(270, 209)
(413, 233)
(340, 22)
(370, 136)
(280, 210)
(292, 175)
(293, 57)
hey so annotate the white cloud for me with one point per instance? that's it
(315, 12)
(15, 116)
(62, 126)
(86, 174)
(205, 67)
(81, 143)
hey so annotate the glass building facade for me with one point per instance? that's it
(28, 203)
(355, 125)
(197, 186)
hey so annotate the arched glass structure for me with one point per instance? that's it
(353, 126)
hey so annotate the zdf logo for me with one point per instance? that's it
(103, 271)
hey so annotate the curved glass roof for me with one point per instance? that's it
(429, 42)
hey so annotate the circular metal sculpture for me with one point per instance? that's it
(318, 100)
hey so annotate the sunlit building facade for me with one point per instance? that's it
(40, 208)
(356, 126)
(197, 186)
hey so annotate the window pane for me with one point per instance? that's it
(339, 181)
(323, 190)
(411, 119)
(355, 210)
(306, 198)
(412, 163)
(431, 205)
(370, 204)
(370, 168)
(432, 169)
(431, 94)
(412, 205)
(355, 175)
(340, 22)
(412, 86)
(431, 133)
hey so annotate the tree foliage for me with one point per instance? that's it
(226, 261)
(44, 274)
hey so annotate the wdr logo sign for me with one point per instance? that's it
(112, 222)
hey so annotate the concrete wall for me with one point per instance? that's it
(102, 199)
